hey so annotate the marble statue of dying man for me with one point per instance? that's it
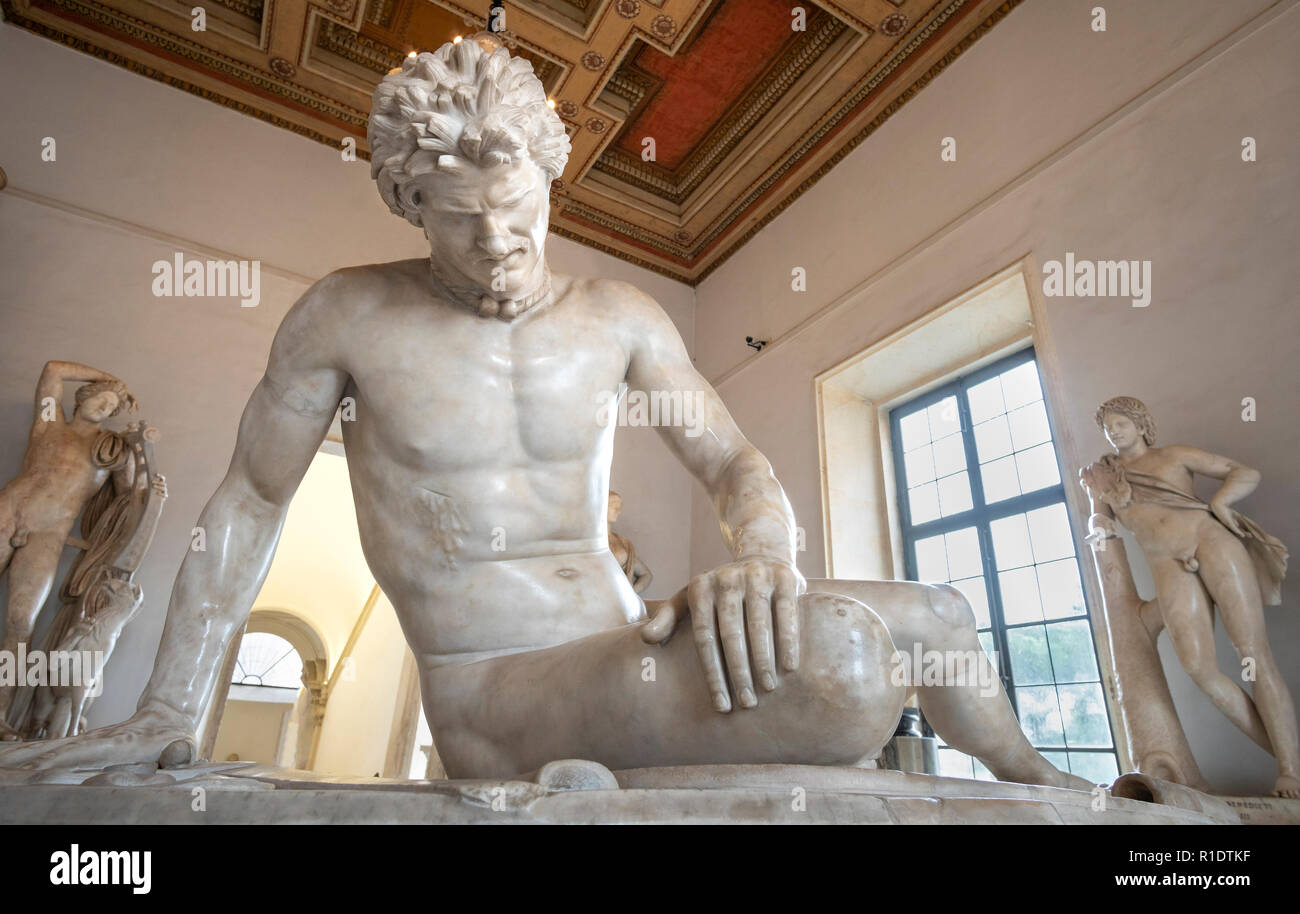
(478, 377)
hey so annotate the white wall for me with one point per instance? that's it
(251, 730)
(144, 170)
(893, 232)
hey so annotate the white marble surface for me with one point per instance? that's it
(710, 794)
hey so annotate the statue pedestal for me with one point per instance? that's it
(576, 792)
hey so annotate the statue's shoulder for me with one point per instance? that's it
(1105, 462)
(371, 281)
(623, 303)
(340, 297)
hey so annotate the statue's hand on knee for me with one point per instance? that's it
(758, 596)
(146, 737)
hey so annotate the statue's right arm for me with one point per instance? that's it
(287, 417)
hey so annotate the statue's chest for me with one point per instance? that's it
(492, 396)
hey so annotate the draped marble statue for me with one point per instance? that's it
(1203, 556)
(480, 380)
(74, 466)
(100, 596)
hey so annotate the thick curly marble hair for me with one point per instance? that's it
(1135, 410)
(469, 101)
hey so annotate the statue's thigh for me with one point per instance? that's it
(1187, 611)
(609, 697)
(614, 699)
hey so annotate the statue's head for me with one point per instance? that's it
(615, 505)
(1124, 420)
(464, 145)
(101, 400)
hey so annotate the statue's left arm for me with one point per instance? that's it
(1239, 481)
(758, 591)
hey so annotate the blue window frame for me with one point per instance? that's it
(982, 507)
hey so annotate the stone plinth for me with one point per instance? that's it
(577, 792)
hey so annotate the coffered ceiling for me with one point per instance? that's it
(694, 122)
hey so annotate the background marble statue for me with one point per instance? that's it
(1202, 555)
(638, 573)
(99, 595)
(479, 379)
(68, 461)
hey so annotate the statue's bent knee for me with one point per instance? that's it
(847, 662)
(951, 606)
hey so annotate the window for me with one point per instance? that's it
(982, 507)
(265, 659)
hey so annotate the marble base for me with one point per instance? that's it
(579, 792)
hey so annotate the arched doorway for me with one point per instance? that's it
(274, 695)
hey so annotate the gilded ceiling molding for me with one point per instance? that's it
(785, 106)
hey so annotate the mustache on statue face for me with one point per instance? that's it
(509, 246)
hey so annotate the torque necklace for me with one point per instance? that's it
(475, 299)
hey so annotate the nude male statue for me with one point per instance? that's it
(1201, 556)
(478, 378)
(67, 462)
(638, 573)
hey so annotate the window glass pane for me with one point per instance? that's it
(1084, 710)
(1029, 425)
(1001, 480)
(954, 494)
(924, 503)
(1030, 662)
(1011, 541)
(1049, 530)
(1073, 659)
(1019, 589)
(914, 430)
(1043, 625)
(1060, 759)
(920, 466)
(1062, 593)
(1020, 385)
(264, 659)
(985, 400)
(931, 560)
(943, 418)
(981, 773)
(1040, 716)
(1037, 468)
(1098, 767)
(963, 553)
(992, 439)
(949, 455)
